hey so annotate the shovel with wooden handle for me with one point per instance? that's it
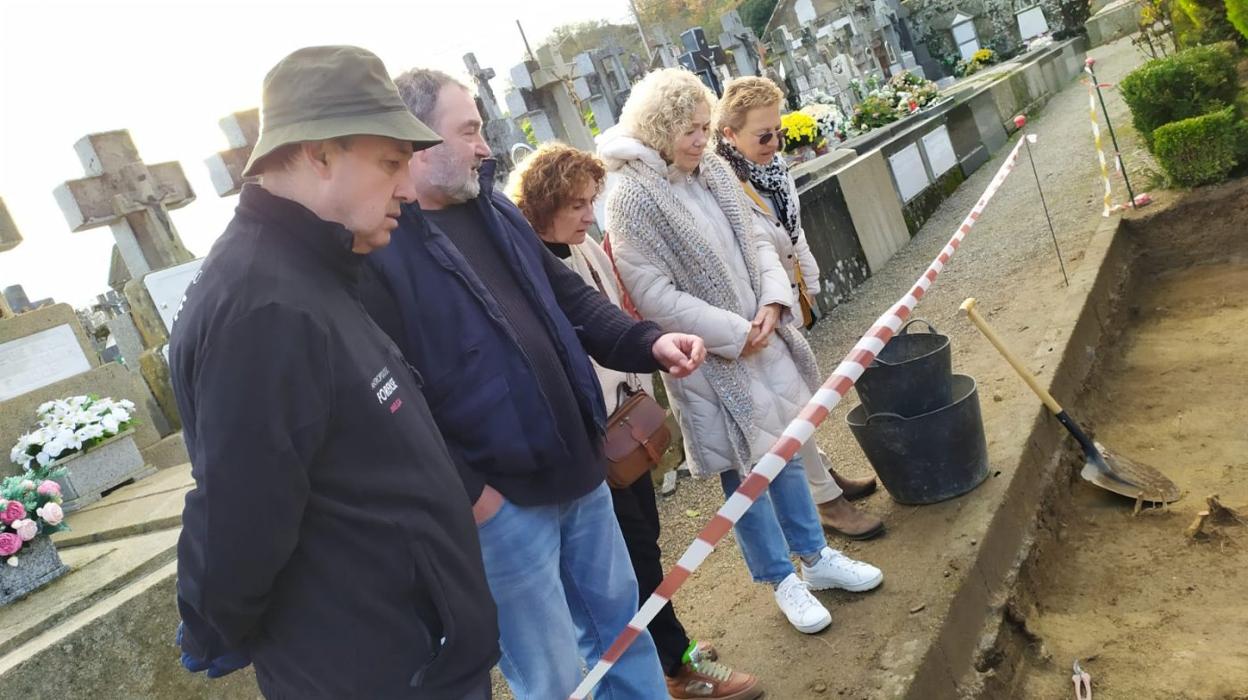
(1101, 467)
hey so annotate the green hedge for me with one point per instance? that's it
(1202, 150)
(1190, 83)
(1237, 13)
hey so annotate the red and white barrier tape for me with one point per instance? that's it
(795, 435)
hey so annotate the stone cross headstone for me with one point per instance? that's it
(666, 53)
(485, 93)
(134, 199)
(500, 132)
(609, 63)
(131, 197)
(591, 89)
(742, 41)
(242, 130)
(543, 95)
(701, 58)
(9, 239)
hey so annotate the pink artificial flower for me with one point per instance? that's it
(25, 529)
(28, 485)
(9, 543)
(13, 510)
(51, 513)
(49, 488)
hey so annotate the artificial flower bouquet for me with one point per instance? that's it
(30, 507)
(72, 425)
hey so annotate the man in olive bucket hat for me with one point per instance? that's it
(329, 538)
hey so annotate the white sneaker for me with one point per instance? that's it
(804, 612)
(835, 570)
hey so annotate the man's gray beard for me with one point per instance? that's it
(444, 176)
(464, 192)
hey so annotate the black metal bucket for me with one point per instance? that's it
(930, 457)
(911, 375)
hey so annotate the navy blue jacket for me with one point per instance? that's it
(484, 396)
(329, 534)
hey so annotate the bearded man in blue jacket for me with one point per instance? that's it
(501, 332)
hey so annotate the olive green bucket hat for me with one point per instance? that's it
(323, 92)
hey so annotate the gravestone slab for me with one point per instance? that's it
(41, 347)
(44, 318)
(167, 288)
(968, 145)
(129, 340)
(830, 233)
(909, 173)
(874, 208)
(989, 121)
(939, 149)
(38, 360)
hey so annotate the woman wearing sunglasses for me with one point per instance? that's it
(686, 250)
(749, 138)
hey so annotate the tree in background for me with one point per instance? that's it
(755, 13)
(1200, 22)
(678, 15)
(572, 39)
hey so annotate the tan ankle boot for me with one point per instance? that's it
(854, 489)
(841, 517)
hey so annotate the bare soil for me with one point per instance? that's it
(1150, 612)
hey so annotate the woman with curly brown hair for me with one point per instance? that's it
(555, 188)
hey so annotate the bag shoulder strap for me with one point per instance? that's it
(758, 198)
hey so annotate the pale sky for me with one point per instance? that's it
(168, 70)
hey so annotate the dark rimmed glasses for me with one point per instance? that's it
(765, 138)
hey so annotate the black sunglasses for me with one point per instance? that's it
(765, 139)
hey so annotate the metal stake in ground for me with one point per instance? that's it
(1122, 168)
(1020, 121)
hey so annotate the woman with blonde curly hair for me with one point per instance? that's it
(686, 250)
(749, 138)
(555, 188)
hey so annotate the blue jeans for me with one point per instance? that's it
(782, 520)
(564, 587)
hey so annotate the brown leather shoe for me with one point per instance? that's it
(711, 679)
(854, 489)
(841, 517)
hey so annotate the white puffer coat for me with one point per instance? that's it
(647, 200)
(792, 254)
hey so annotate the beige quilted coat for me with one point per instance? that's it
(712, 209)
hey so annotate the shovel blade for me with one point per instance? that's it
(1117, 474)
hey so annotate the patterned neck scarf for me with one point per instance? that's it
(772, 180)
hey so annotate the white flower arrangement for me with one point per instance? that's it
(833, 125)
(66, 426)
